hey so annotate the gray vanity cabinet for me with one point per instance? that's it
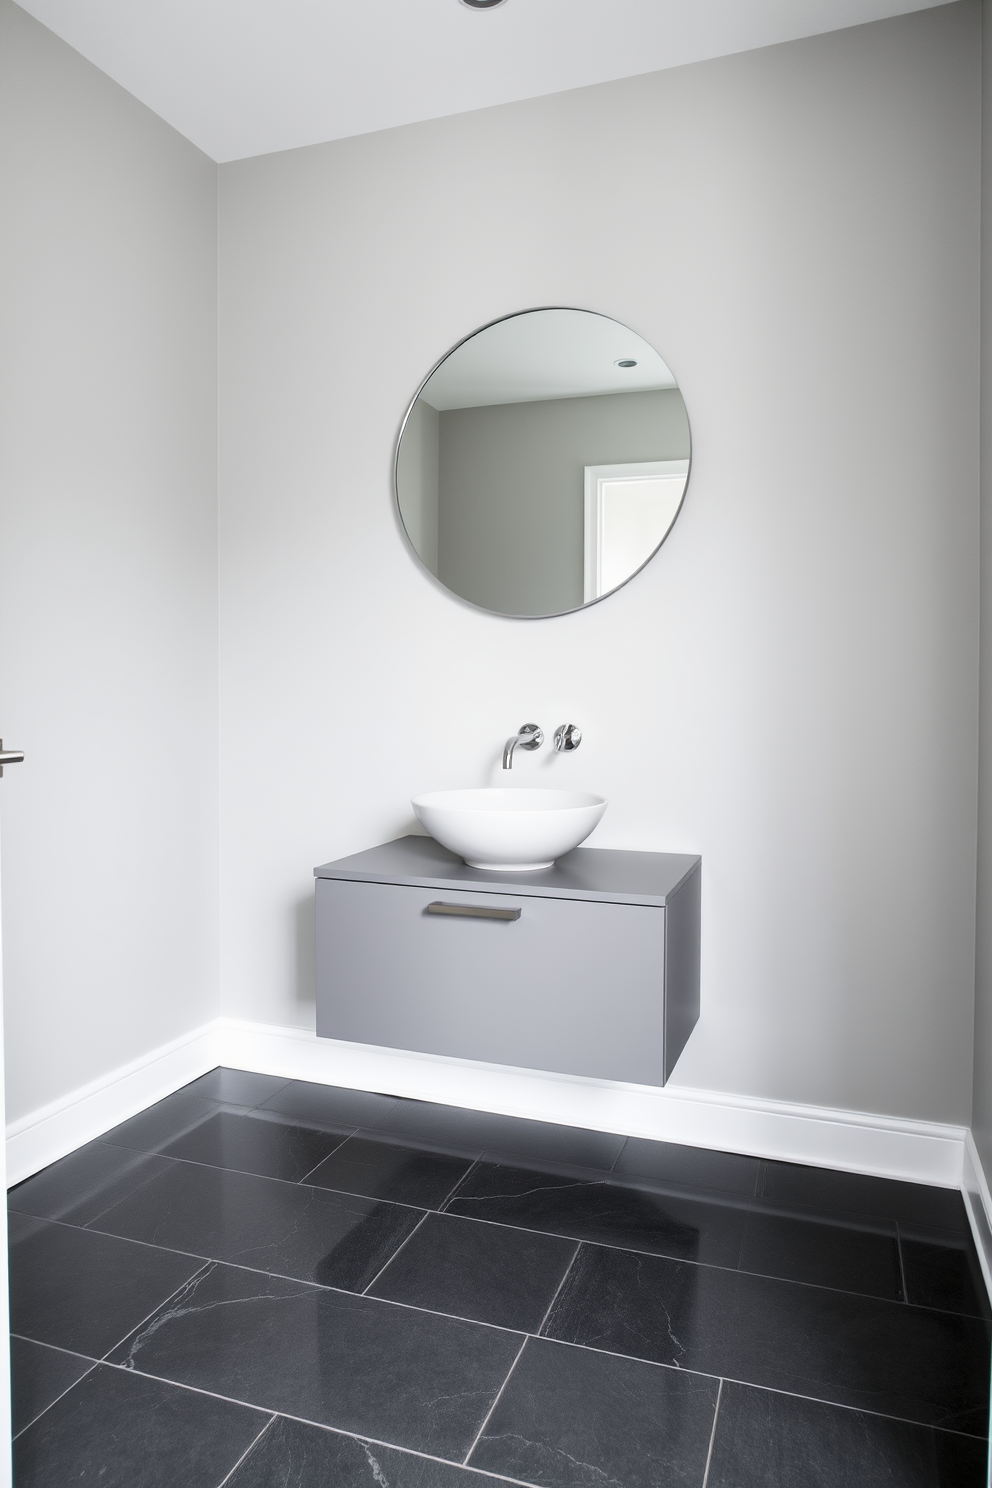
(587, 968)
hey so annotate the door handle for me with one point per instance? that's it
(473, 911)
(9, 756)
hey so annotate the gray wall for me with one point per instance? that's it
(511, 490)
(790, 688)
(108, 660)
(982, 1109)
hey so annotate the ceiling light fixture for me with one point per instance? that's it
(627, 362)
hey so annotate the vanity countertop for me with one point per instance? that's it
(603, 874)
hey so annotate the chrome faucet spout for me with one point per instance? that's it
(508, 749)
(529, 737)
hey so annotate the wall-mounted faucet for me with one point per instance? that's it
(567, 737)
(529, 737)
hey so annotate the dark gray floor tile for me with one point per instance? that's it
(826, 1191)
(151, 1130)
(767, 1440)
(856, 1256)
(643, 1306)
(330, 1105)
(84, 1292)
(482, 1271)
(38, 1376)
(291, 1455)
(571, 1418)
(289, 1229)
(365, 1366)
(249, 1142)
(925, 1366)
(385, 1170)
(943, 1271)
(688, 1227)
(118, 1430)
(236, 1087)
(453, 1129)
(693, 1167)
(85, 1183)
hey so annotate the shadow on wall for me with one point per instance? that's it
(306, 995)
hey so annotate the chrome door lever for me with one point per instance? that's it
(9, 756)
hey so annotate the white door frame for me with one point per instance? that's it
(595, 475)
(5, 1456)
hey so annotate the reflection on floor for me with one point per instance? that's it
(259, 1282)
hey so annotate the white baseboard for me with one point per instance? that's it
(50, 1132)
(886, 1146)
(978, 1202)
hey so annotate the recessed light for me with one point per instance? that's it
(627, 362)
(482, 4)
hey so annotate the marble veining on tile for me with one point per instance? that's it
(269, 1284)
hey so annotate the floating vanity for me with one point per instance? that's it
(590, 967)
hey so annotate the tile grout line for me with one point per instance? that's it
(443, 1208)
(251, 1447)
(496, 1401)
(386, 1264)
(155, 1310)
(200, 1271)
(705, 1265)
(498, 1328)
(316, 1286)
(902, 1264)
(316, 1425)
(56, 1348)
(561, 1342)
(334, 1150)
(675, 1259)
(740, 1249)
(635, 1182)
(747, 1383)
(497, 1224)
(85, 1375)
(709, 1454)
(558, 1288)
(193, 1162)
(127, 1197)
(613, 1165)
(375, 1129)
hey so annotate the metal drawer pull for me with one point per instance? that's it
(473, 912)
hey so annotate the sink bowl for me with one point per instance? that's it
(509, 831)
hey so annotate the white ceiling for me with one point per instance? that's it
(546, 354)
(246, 77)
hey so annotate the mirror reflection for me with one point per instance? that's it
(543, 462)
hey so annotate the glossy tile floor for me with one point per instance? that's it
(266, 1284)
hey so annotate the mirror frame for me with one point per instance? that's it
(587, 604)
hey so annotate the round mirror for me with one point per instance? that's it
(543, 462)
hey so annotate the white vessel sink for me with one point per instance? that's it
(509, 831)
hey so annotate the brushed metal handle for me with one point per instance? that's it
(473, 911)
(9, 756)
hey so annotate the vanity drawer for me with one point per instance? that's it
(568, 985)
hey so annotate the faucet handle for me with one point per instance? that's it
(567, 737)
